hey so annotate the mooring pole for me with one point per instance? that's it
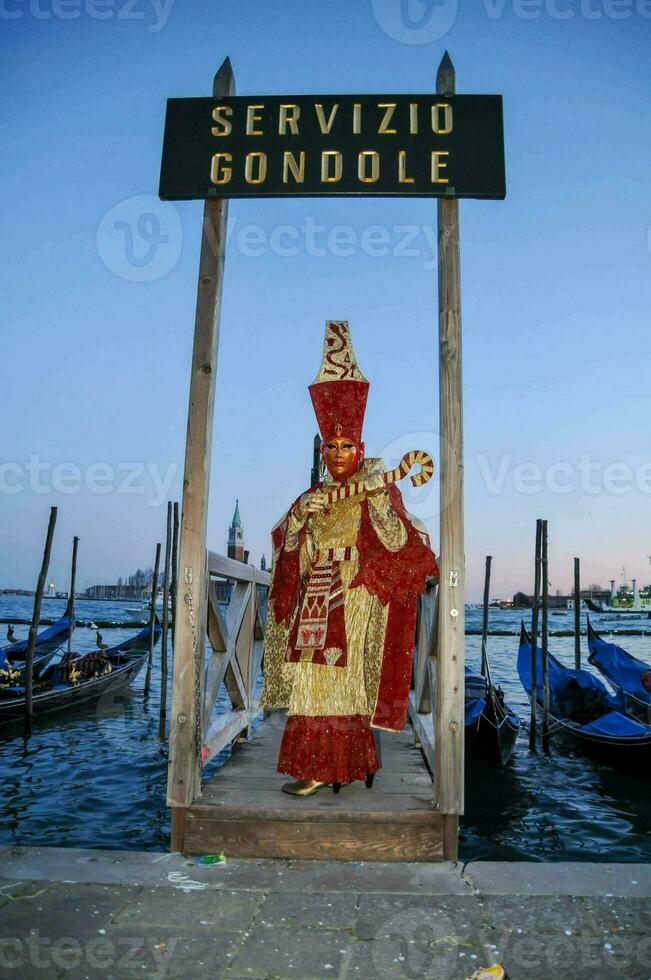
(174, 585)
(534, 638)
(190, 614)
(152, 620)
(449, 741)
(71, 595)
(36, 615)
(545, 640)
(484, 624)
(162, 714)
(577, 614)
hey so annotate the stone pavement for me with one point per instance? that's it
(85, 913)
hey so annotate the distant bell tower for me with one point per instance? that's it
(236, 536)
(315, 475)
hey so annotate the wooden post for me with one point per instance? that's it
(174, 587)
(33, 628)
(71, 596)
(162, 714)
(152, 619)
(190, 613)
(449, 720)
(577, 614)
(545, 640)
(534, 638)
(484, 624)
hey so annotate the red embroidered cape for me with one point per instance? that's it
(396, 578)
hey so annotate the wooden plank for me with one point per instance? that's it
(178, 829)
(261, 779)
(230, 568)
(184, 779)
(350, 800)
(382, 841)
(222, 731)
(449, 716)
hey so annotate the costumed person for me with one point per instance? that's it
(342, 604)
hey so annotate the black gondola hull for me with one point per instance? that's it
(12, 710)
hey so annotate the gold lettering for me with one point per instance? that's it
(402, 168)
(251, 119)
(357, 117)
(289, 117)
(290, 165)
(374, 157)
(446, 127)
(261, 175)
(217, 113)
(219, 174)
(326, 125)
(438, 165)
(326, 157)
(413, 117)
(388, 116)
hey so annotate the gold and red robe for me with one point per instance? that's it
(341, 627)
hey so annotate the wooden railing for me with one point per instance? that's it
(422, 699)
(235, 638)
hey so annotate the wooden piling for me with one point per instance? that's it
(190, 613)
(545, 640)
(174, 584)
(36, 615)
(449, 715)
(577, 614)
(152, 619)
(534, 638)
(484, 624)
(162, 714)
(71, 595)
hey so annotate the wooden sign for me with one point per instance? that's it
(340, 145)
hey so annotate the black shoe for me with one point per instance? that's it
(369, 780)
(336, 787)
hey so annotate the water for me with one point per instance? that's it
(97, 777)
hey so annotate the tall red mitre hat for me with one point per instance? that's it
(340, 390)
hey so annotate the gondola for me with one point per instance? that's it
(48, 641)
(582, 708)
(491, 726)
(628, 675)
(76, 679)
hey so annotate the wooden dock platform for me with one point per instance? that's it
(243, 811)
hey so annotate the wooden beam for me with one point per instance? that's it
(36, 615)
(71, 594)
(449, 714)
(577, 614)
(152, 620)
(162, 711)
(223, 730)
(230, 568)
(184, 780)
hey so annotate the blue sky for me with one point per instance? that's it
(556, 280)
